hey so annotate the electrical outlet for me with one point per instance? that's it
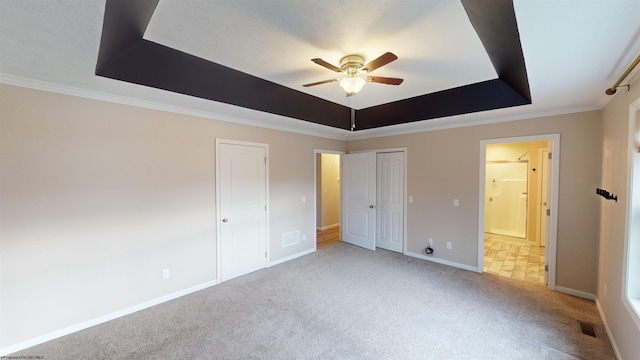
(165, 274)
(304, 237)
(430, 242)
(449, 245)
(456, 202)
(410, 199)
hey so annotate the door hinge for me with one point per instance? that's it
(550, 156)
(265, 161)
(265, 254)
(546, 268)
(265, 207)
(548, 212)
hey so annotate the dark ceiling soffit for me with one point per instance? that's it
(125, 55)
(482, 96)
(124, 24)
(496, 25)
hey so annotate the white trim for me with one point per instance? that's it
(309, 128)
(378, 151)
(632, 305)
(441, 261)
(609, 333)
(578, 293)
(460, 121)
(541, 181)
(220, 141)
(103, 319)
(291, 257)
(554, 148)
(449, 122)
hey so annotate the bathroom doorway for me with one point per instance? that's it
(516, 194)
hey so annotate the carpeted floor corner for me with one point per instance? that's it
(344, 302)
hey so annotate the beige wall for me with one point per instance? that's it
(444, 165)
(97, 198)
(615, 175)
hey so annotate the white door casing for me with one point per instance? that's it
(242, 208)
(390, 201)
(543, 166)
(548, 186)
(552, 204)
(359, 199)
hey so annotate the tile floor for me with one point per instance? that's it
(514, 259)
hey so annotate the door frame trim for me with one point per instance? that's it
(220, 141)
(554, 148)
(540, 165)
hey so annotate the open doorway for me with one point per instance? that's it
(517, 217)
(328, 203)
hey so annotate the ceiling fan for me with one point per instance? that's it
(354, 74)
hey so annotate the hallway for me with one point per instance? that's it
(327, 237)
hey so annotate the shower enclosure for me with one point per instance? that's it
(505, 210)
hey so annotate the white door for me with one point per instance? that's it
(242, 211)
(390, 201)
(544, 205)
(547, 229)
(359, 199)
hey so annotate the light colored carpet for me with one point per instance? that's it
(344, 302)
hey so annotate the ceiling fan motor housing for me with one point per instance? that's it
(351, 64)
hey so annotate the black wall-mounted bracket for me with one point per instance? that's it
(605, 194)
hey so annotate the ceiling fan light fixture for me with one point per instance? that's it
(352, 84)
(354, 73)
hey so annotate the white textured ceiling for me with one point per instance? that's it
(573, 51)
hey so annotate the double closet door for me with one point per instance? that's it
(373, 193)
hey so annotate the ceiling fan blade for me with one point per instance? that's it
(384, 59)
(326, 64)
(320, 82)
(385, 80)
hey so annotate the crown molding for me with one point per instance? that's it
(261, 120)
(281, 123)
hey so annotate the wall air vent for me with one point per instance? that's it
(290, 238)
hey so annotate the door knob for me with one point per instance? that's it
(370, 206)
(225, 220)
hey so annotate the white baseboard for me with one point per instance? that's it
(441, 261)
(612, 340)
(291, 257)
(102, 319)
(322, 228)
(578, 293)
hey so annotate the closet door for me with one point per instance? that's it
(390, 200)
(359, 199)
